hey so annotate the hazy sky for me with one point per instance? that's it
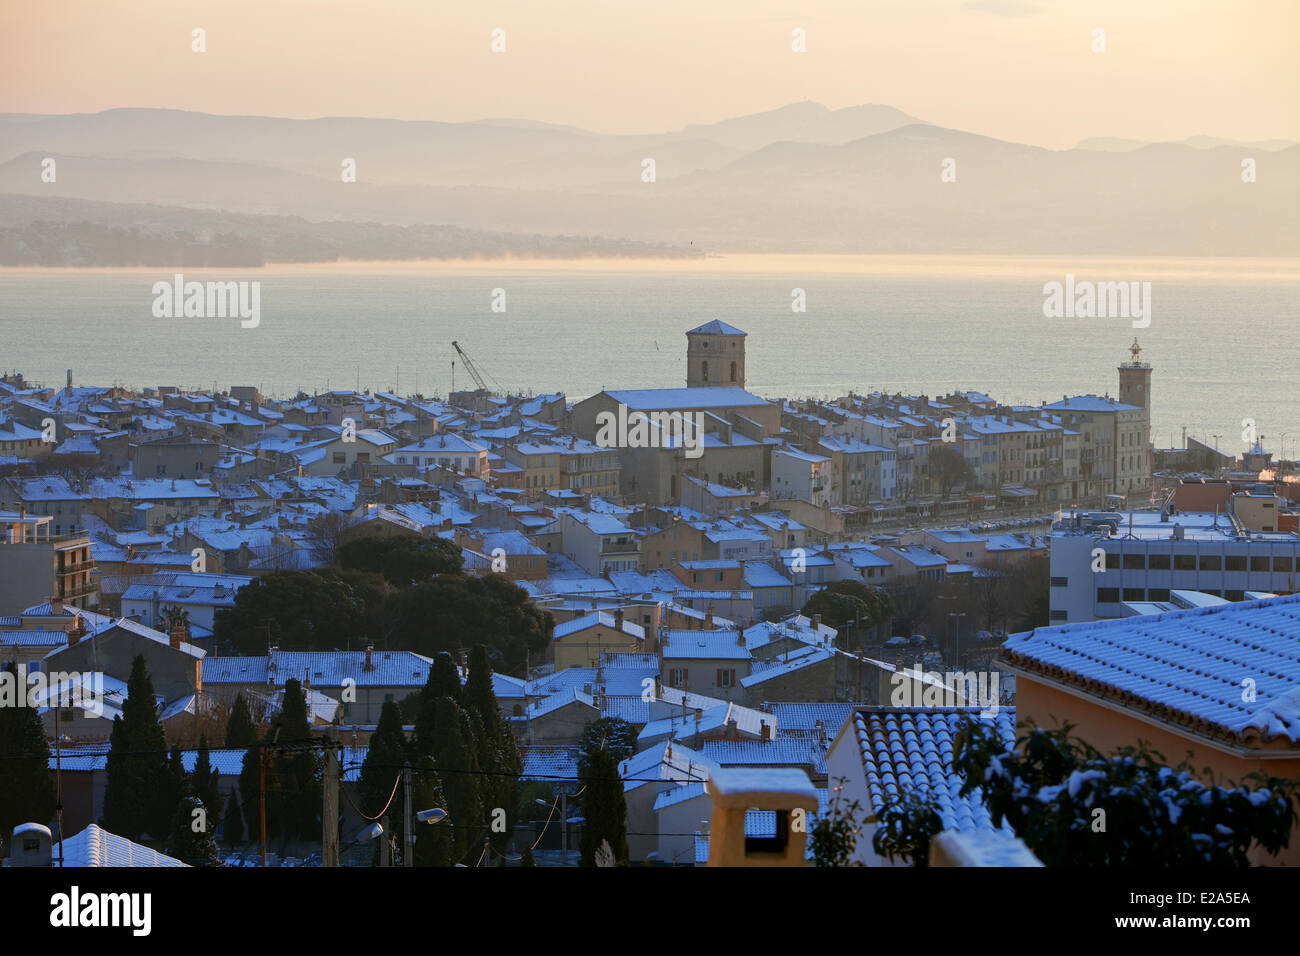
(1021, 70)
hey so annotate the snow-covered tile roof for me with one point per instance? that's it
(911, 749)
(96, 847)
(1188, 666)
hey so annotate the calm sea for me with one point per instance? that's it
(1222, 337)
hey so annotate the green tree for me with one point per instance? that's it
(401, 561)
(298, 769)
(250, 794)
(454, 611)
(848, 602)
(205, 782)
(136, 790)
(611, 734)
(178, 781)
(191, 835)
(380, 789)
(443, 681)
(498, 752)
(604, 808)
(241, 732)
(455, 758)
(433, 841)
(295, 610)
(27, 794)
(232, 825)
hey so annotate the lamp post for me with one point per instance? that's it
(956, 633)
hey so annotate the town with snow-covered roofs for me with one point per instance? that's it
(763, 612)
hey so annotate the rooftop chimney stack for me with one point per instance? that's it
(370, 649)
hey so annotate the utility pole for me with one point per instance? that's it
(330, 808)
(261, 803)
(408, 838)
(564, 822)
(385, 847)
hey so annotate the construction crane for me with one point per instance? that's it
(473, 370)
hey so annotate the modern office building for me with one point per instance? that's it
(1101, 561)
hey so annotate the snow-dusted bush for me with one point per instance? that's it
(1074, 806)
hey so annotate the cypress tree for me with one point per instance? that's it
(444, 681)
(497, 752)
(478, 694)
(455, 757)
(205, 782)
(232, 825)
(433, 841)
(241, 732)
(27, 794)
(178, 784)
(298, 767)
(137, 764)
(604, 808)
(191, 836)
(382, 768)
(250, 795)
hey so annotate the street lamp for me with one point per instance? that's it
(956, 633)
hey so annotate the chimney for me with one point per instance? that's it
(56, 606)
(177, 635)
(740, 638)
(766, 732)
(817, 622)
(618, 619)
(370, 648)
(77, 631)
(708, 617)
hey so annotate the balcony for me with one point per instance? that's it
(68, 594)
(87, 565)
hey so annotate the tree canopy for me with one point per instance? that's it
(401, 561)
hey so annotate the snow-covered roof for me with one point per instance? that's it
(906, 749)
(94, 846)
(1186, 666)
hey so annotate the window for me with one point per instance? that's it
(726, 678)
(1158, 562)
(1210, 562)
(1134, 594)
(1060, 582)
(733, 371)
(1112, 560)
(1282, 564)
(1157, 594)
(1234, 595)
(1184, 562)
(677, 676)
(1107, 595)
(1234, 562)
(1059, 616)
(1135, 562)
(704, 371)
(340, 458)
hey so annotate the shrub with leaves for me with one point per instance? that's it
(905, 828)
(1074, 806)
(835, 836)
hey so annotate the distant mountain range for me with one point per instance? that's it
(801, 178)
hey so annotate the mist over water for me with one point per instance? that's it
(1222, 342)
